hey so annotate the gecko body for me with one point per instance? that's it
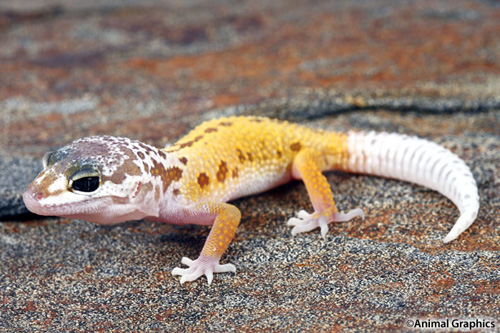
(108, 180)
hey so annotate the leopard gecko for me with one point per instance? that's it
(107, 180)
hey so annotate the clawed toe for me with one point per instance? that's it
(305, 222)
(340, 217)
(202, 266)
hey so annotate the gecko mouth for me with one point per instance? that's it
(89, 206)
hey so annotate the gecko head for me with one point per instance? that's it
(97, 179)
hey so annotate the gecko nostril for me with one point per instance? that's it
(37, 195)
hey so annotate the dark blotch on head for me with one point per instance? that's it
(145, 147)
(127, 168)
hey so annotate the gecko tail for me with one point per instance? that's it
(417, 161)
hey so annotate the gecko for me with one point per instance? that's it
(108, 180)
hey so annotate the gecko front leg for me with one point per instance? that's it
(307, 165)
(220, 236)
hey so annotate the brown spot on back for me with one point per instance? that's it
(141, 155)
(256, 120)
(221, 173)
(278, 152)
(146, 167)
(172, 148)
(186, 144)
(235, 173)
(203, 180)
(211, 129)
(167, 176)
(183, 160)
(250, 157)
(198, 138)
(170, 175)
(240, 155)
(162, 154)
(226, 123)
(296, 146)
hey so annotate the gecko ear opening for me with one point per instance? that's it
(85, 181)
(46, 159)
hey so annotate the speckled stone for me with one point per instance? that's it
(150, 70)
(16, 173)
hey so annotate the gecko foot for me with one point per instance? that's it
(202, 266)
(305, 222)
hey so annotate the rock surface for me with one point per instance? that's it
(151, 70)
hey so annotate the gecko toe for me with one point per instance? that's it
(341, 217)
(224, 268)
(305, 222)
(202, 266)
(323, 224)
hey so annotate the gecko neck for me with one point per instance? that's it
(161, 170)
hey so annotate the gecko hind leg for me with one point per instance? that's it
(307, 165)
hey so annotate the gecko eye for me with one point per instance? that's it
(85, 181)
